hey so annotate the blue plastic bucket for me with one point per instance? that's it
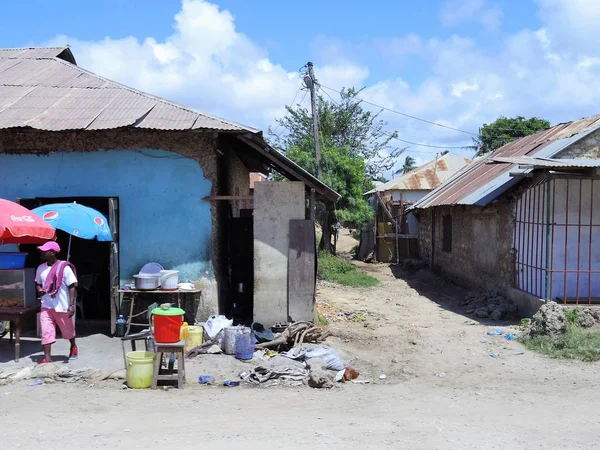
(244, 345)
(12, 260)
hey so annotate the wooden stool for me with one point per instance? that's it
(169, 374)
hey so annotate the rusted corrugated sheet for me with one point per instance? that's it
(545, 163)
(41, 91)
(427, 177)
(484, 179)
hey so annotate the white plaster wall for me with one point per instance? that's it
(408, 195)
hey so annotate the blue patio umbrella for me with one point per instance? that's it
(77, 220)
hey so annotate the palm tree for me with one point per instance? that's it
(409, 164)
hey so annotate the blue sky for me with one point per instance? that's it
(458, 62)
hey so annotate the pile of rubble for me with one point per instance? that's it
(489, 304)
(552, 318)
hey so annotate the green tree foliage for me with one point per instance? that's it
(355, 149)
(504, 130)
(344, 124)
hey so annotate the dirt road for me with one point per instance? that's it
(443, 391)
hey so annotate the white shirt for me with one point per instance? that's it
(62, 300)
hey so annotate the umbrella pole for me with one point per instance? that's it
(69, 248)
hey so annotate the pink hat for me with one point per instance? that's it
(49, 246)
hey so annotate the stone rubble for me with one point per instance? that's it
(489, 304)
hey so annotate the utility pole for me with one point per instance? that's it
(311, 83)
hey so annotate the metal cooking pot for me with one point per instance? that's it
(146, 282)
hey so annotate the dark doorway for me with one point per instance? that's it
(91, 258)
(241, 264)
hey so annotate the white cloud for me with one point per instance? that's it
(458, 12)
(206, 64)
(551, 72)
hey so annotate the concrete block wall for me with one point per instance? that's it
(275, 204)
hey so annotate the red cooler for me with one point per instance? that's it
(167, 324)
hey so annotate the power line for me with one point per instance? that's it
(446, 147)
(287, 112)
(406, 115)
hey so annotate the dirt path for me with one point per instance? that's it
(443, 391)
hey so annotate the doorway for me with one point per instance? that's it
(96, 262)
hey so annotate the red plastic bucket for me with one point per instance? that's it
(167, 327)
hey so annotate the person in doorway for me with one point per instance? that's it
(56, 283)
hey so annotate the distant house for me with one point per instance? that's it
(390, 199)
(524, 220)
(174, 183)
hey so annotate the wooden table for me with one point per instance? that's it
(16, 316)
(133, 293)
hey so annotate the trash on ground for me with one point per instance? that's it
(441, 375)
(36, 383)
(262, 334)
(295, 335)
(510, 337)
(205, 379)
(361, 381)
(383, 376)
(493, 354)
(215, 324)
(230, 383)
(263, 374)
(328, 355)
(483, 340)
(496, 332)
(244, 375)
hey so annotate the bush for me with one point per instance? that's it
(335, 269)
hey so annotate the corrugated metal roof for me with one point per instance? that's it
(427, 177)
(43, 88)
(42, 91)
(548, 163)
(486, 179)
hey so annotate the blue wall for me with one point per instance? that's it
(162, 215)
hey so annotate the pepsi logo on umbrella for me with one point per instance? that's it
(99, 221)
(50, 215)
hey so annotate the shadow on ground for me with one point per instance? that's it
(444, 293)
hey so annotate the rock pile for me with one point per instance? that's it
(550, 320)
(489, 304)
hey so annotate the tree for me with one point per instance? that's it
(346, 124)
(355, 149)
(409, 164)
(504, 130)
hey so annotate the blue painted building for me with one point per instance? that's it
(180, 178)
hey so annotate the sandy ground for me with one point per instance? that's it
(443, 390)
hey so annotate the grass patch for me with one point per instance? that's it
(322, 320)
(335, 269)
(575, 343)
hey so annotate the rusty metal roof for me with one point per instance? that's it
(548, 163)
(426, 177)
(40, 88)
(485, 179)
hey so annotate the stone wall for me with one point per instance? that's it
(482, 244)
(586, 148)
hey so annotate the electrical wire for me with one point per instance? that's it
(445, 147)
(406, 115)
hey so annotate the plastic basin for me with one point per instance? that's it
(12, 260)
(140, 369)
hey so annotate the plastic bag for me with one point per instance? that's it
(215, 324)
(328, 355)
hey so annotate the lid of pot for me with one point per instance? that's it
(168, 312)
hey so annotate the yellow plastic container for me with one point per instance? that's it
(140, 369)
(183, 332)
(195, 337)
